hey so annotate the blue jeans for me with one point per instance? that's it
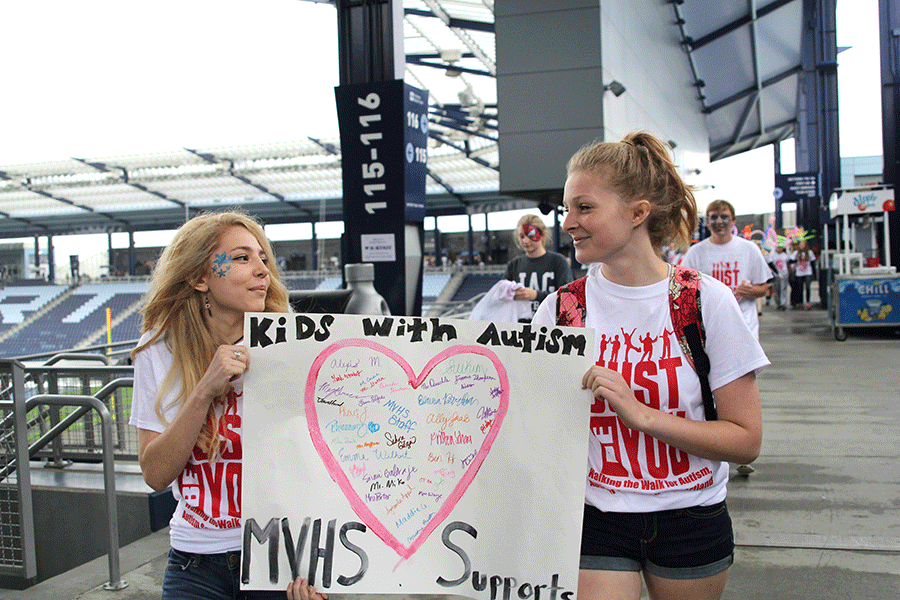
(208, 577)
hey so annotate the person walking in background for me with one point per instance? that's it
(657, 469)
(734, 261)
(779, 261)
(539, 270)
(188, 395)
(672, 254)
(802, 260)
(767, 297)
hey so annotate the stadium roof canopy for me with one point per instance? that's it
(745, 59)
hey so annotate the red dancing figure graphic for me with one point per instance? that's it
(614, 355)
(604, 342)
(667, 345)
(628, 344)
(647, 342)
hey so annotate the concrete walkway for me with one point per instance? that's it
(820, 517)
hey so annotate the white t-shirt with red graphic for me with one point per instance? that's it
(803, 265)
(207, 518)
(630, 471)
(781, 260)
(731, 263)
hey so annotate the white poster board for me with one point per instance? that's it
(414, 456)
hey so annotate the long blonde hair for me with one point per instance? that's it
(640, 168)
(174, 309)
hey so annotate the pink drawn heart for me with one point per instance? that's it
(351, 373)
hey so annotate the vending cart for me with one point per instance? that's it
(865, 292)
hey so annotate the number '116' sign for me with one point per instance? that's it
(384, 134)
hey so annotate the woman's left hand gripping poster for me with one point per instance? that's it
(405, 455)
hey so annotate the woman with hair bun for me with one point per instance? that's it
(657, 469)
(188, 395)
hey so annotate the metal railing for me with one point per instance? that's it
(460, 309)
(64, 406)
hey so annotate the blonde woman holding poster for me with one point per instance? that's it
(657, 468)
(188, 395)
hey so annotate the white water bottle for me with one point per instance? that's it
(364, 299)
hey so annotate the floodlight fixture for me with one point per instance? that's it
(615, 87)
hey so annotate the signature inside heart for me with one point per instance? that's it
(404, 447)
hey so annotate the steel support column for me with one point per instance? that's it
(51, 268)
(369, 41)
(818, 148)
(383, 212)
(110, 259)
(826, 66)
(776, 155)
(889, 31)
(37, 257)
(830, 157)
(314, 247)
(131, 255)
(818, 142)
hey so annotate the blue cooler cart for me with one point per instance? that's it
(863, 301)
(864, 293)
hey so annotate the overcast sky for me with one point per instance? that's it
(99, 78)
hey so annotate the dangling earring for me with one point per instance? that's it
(206, 301)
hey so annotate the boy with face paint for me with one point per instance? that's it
(538, 270)
(734, 261)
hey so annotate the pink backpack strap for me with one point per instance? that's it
(684, 306)
(687, 320)
(570, 304)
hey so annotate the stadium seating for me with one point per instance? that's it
(127, 329)
(130, 327)
(329, 283)
(76, 318)
(300, 283)
(79, 319)
(17, 303)
(474, 284)
(432, 286)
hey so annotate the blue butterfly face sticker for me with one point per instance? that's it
(221, 264)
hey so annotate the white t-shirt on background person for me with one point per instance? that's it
(731, 263)
(781, 260)
(803, 268)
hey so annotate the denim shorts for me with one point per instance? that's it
(208, 577)
(685, 543)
